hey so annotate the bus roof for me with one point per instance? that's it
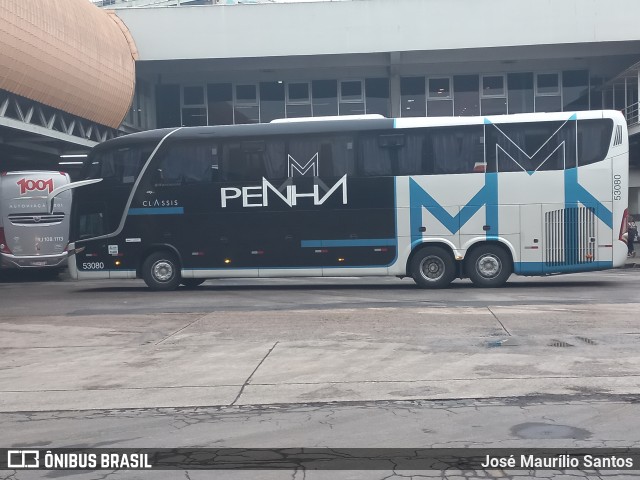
(337, 125)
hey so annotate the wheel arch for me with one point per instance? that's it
(422, 245)
(497, 242)
(157, 247)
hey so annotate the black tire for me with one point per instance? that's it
(192, 282)
(432, 267)
(489, 266)
(161, 271)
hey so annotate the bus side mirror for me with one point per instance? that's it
(69, 186)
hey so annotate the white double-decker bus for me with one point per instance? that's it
(430, 198)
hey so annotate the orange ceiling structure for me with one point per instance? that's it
(69, 55)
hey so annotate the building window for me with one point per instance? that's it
(575, 90)
(493, 95)
(298, 100)
(493, 86)
(548, 92)
(168, 106)
(351, 97)
(439, 88)
(520, 92)
(194, 109)
(466, 95)
(247, 109)
(220, 101)
(377, 94)
(324, 95)
(271, 101)
(439, 98)
(412, 97)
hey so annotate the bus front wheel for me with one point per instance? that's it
(192, 282)
(161, 271)
(488, 266)
(432, 267)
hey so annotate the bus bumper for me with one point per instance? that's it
(32, 261)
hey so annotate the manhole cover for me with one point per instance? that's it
(536, 431)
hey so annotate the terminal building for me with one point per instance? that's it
(208, 62)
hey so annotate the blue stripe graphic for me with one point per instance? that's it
(574, 193)
(536, 268)
(359, 242)
(157, 211)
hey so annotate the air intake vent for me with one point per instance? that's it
(619, 139)
(22, 219)
(570, 236)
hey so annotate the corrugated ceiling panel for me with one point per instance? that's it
(67, 54)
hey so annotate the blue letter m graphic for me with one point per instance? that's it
(486, 196)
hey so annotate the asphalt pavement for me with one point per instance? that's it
(350, 362)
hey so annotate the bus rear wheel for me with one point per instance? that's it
(161, 271)
(432, 267)
(488, 266)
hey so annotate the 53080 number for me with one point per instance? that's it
(617, 187)
(93, 266)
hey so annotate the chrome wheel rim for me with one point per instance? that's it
(432, 268)
(489, 266)
(162, 271)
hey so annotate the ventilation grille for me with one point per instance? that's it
(618, 139)
(570, 236)
(21, 219)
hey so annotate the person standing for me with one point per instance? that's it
(632, 233)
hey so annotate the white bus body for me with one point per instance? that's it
(32, 236)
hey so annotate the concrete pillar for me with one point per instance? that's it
(394, 83)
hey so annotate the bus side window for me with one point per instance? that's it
(187, 163)
(392, 153)
(531, 147)
(594, 137)
(374, 158)
(452, 150)
(91, 220)
(121, 165)
(323, 156)
(410, 157)
(252, 160)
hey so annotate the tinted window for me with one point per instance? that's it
(412, 97)
(325, 97)
(391, 153)
(250, 160)
(531, 147)
(121, 165)
(520, 92)
(451, 150)
(377, 95)
(186, 163)
(594, 137)
(271, 101)
(220, 98)
(332, 156)
(430, 151)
